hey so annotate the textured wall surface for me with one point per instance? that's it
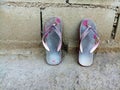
(118, 32)
(19, 23)
(20, 19)
(42, 1)
(98, 2)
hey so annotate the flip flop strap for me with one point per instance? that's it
(43, 39)
(58, 32)
(60, 36)
(96, 37)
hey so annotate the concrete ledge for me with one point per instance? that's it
(6, 45)
(106, 46)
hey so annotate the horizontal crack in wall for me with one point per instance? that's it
(44, 5)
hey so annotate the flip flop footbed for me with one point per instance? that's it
(53, 57)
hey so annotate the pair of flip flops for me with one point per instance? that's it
(52, 41)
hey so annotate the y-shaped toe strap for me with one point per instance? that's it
(96, 37)
(58, 32)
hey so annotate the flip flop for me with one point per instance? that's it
(89, 41)
(52, 40)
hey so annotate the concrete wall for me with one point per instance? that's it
(20, 19)
(42, 1)
(97, 2)
(19, 23)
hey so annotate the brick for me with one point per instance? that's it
(100, 2)
(118, 10)
(117, 38)
(71, 17)
(42, 1)
(19, 24)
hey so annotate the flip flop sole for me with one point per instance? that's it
(53, 57)
(85, 57)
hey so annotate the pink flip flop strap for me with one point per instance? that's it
(96, 37)
(47, 31)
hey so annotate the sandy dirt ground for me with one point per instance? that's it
(27, 70)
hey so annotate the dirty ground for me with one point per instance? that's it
(27, 70)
